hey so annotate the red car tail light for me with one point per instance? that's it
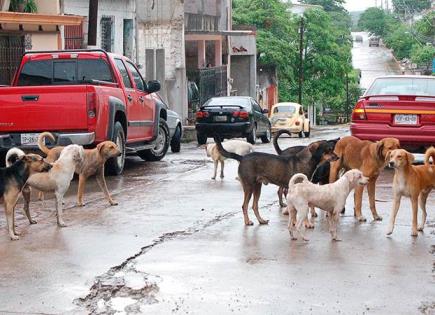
(200, 115)
(241, 114)
(359, 112)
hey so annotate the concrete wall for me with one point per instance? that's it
(243, 64)
(48, 41)
(118, 9)
(48, 6)
(161, 28)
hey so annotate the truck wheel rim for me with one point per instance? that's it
(160, 142)
(120, 159)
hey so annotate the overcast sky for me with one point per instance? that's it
(361, 5)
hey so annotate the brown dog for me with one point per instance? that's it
(370, 158)
(93, 164)
(415, 182)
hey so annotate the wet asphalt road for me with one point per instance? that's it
(177, 244)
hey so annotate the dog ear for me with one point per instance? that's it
(100, 147)
(379, 149)
(410, 157)
(313, 146)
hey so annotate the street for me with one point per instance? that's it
(176, 243)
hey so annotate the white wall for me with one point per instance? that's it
(119, 9)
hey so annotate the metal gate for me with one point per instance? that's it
(211, 82)
(73, 36)
(11, 51)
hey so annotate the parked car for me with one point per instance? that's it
(290, 116)
(359, 38)
(175, 130)
(374, 41)
(397, 106)
(232, 117)
(84, 97)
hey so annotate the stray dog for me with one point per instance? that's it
(319, 173)
(259, 168)
(58, 179)
(370, 158)
(93, 164)
(12, 180)
(236, 146)
(330, 197)
(415, 182)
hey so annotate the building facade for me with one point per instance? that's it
(21, 32)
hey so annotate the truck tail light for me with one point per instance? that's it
(91, 101)
(241, 114)
(359, 112)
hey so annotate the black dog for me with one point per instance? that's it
(259, 168)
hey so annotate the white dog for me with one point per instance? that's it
(330, 197)
(58, 179)
(235, 146)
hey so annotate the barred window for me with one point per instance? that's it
(107, 33)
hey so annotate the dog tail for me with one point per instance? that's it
(224, 152)
(429, 153)
(41, 142)
(13, 155)
(295, 178)
(275, 140)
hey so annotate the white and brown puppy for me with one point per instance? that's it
(58, 178)
(415, 182)
(234, 146)
(330, 197)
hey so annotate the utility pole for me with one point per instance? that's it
(347, 97)
(93, 22)
(301, 58)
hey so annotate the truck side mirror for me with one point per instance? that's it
(153, 86)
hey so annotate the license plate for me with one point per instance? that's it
(220, 118)
(29, 139)
(405, 119)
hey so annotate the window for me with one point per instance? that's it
(124, 74)
(284, 109)
(107, 33)
(403, 86)
(256, 107)
(36, 73)
(94, 69)
(136, 77)
(64, 71)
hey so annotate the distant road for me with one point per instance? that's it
(372, 61)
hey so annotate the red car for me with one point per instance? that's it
(402, 107)
(84, 97)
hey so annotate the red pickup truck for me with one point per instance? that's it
(84, 97)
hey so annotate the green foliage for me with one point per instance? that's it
(328, 5)
(423, 55)
(425, 27)
(405, 7)
(28, 6)
(401, 41)
(276, 36)
(373, 20)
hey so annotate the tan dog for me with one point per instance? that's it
(370, 158)
(415, 182)
(93, 164)
(57, 179)
(235, 146)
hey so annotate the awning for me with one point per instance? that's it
(39, 19)
(222, 33)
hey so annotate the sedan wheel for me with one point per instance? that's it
(268, 136)
(252, 137)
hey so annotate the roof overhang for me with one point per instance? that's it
(39, 19)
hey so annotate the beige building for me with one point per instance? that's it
(20, 32)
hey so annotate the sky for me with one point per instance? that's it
(360, 5)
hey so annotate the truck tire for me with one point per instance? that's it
(114, 166)
(176, 141)
(161, 144)
(252, 137)
(202, 139)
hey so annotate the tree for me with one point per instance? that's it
(425, 27)
(328, 5)
(401, 40)
(276, 36)
(405, 7)
(423, 55)
(373, 20)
